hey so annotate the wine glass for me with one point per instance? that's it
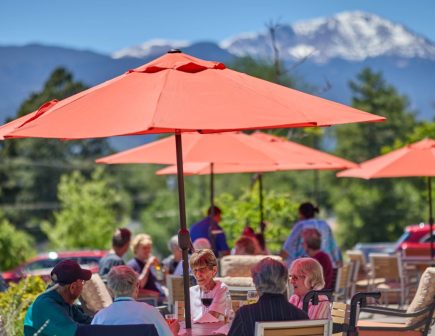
(252, 296)
(206, 300)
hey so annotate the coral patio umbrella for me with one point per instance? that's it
(234, 149)
(292, 156)
(177, 93)
(417, 159)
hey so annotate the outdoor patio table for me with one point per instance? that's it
(201, 329)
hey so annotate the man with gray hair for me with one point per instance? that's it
(270, 278)
(170, 263)
(123, 283)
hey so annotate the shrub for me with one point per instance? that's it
(15, 302)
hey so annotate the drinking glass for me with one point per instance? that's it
(252, 296)
(170, 318)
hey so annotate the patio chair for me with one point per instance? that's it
(95, 295)
(116, 330)
(364, 266)
(343, 283)
(340, 314)
(175, 290)
(389, 268)
(293, 328)
(179, 310)
(417, 319)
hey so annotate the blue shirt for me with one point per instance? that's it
(202, 230)
(125, 310)
(294, 246)
(57, 316)
(107, 262)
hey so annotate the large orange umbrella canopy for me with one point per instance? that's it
(417, 159)
(229, 147)
(291, 156)
(177, 93)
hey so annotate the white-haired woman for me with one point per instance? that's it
(124, 284)
(306, 274)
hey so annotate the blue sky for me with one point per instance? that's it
(110, 25)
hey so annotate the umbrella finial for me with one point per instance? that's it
(174, 51)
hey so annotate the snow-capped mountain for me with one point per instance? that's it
(352, 36)
(151, 47)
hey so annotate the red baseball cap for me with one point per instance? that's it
(68, 271)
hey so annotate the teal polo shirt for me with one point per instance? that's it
(62, 318)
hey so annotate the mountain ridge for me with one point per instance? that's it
(24, 69)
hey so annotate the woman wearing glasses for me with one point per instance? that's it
(210, 295)
(305, 275)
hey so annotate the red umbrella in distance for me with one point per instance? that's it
(176, 93)
(417, 159)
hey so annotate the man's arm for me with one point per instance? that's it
(80, 316)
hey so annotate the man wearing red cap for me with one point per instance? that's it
(53, 312)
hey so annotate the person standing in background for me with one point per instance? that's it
(209, 228)
(294, 246)
(120, 244)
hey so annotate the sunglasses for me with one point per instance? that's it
(296, 277)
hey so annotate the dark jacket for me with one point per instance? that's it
(270, 307)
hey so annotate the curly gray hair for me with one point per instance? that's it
(270, 276)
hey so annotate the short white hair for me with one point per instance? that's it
(201, 244)
(122, 280)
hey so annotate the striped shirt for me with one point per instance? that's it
(321, 311)
(270, 307)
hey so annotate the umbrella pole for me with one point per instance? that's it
(260, 190)
(212, 188)
(183, 233)
(429, 188)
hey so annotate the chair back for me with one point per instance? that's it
(293, 328)
(179, 310)
(175, 290)
(343, 282)
(358, 256)
(424, 296)
(386, 266)
(95, 295)
(340, 314)
(116, 330)
(240, 265)
(387, 275)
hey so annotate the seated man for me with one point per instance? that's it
(312, 245)
(124, 285)
(53, 312)
(120, 244)
(270, 279)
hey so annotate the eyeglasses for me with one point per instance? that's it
(200, 269)
(296, 277)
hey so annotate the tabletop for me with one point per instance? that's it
(201, 329)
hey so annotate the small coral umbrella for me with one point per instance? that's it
(177, 93)
(291, 156)
(417, 159)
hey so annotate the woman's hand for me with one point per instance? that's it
(174, 326)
